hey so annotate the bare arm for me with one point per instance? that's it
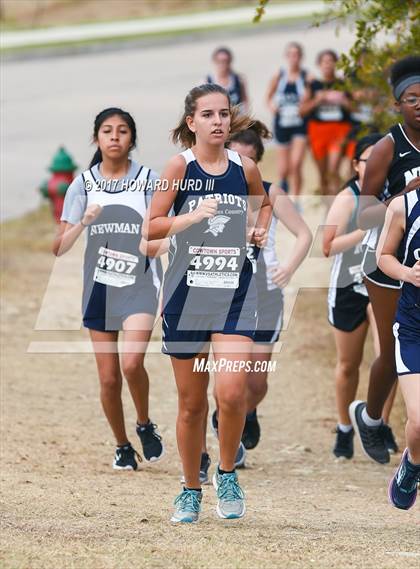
(244, 93)
(68, 233)
(335, 238)
(259, 203)
(286, 212)
(159, 225)
(272, 86)
(371, 210)
(155, 248)
(310, 101)
(390, 238)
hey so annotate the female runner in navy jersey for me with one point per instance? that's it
(392, 169)
(271, 276)
(121, 283)
(349, 311)
(226, 77)
(402, 225)
(207, 283)
(284, 94)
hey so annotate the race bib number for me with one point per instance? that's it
(330, 113)
(289, 116)
(250, 253)
(213, 267)
(115, 268)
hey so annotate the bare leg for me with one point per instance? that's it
(137, 331)
(107, 362)
(297, 154)
(192, 405)
(382, 372)
(410, 389)
(323, 175)
(349, 347)
(283, 154)
(231, 392)
(257, 380)
(375, 336)
(334, 161)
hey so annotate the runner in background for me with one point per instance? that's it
(271, 276)
(402, 224)
(328, 111)
(108, 202)
(349, 311)
(227, 78)
(393, 169)
(284, 94)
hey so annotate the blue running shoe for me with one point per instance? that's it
(402, 490)
(187, 506)
(231, 499)
(241, 452)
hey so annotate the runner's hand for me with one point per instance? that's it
(205, 210)
(281, 276)
(258, 236)
(91, 213)
(414, 274)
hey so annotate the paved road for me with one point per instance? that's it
(52, 101)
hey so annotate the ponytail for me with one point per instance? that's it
(96, 158)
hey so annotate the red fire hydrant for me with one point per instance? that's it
(54, 189)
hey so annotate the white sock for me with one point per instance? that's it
(369, 421)
(345, 428)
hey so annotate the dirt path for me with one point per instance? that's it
(64, 507)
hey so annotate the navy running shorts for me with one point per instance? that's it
(186, 335)
(407, 349)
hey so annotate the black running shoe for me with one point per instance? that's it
(125, 458)
(371, 438)
(391, 443)
(204, 468)
(252, 431)
(215, 423)
(151, 441)
(343, 444)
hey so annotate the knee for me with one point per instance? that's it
(294, 168)
(258, 385)
(284, 171)
(414, 424)
(132, 367)
(192, 411)
(233, 399)
(346, 368)
(110, 383)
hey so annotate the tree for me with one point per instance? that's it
(385, 30)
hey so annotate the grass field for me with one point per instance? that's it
(64, 507)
